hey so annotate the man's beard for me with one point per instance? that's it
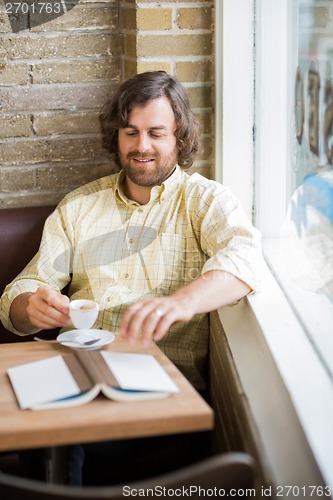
(142, 176)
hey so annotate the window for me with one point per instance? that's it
(274, 82)
(294, 173)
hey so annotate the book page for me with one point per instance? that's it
(118, 394)
(139, 372)
(42, 381)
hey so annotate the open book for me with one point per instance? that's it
(77, 378)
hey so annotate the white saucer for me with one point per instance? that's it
(68, 338)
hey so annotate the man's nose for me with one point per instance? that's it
(143, 142)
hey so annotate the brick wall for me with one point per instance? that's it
(55, 75)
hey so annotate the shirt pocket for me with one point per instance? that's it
(182, 260)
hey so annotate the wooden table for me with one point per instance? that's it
(101, 419)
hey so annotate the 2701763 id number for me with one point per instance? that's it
(34, 8)
(304, 491)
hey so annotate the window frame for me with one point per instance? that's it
(234, 116)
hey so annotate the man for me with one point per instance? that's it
(156, 248)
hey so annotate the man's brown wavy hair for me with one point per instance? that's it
(138, 91)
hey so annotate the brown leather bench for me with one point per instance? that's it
(20, 233)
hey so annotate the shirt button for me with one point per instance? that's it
(126, 275)
(130, 240)
(140, 210)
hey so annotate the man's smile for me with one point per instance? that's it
(141, 159)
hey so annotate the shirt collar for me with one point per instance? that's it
(168, 187)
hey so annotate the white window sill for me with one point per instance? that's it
(301, 368)
(314, 310)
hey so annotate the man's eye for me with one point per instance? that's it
(131, 132)
(155, 135)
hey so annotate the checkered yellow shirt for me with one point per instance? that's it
(115, 251)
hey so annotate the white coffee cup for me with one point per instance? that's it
(83, 313)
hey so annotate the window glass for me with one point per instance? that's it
(308, 228)
(294, 157)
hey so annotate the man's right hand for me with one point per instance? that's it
(44, 309)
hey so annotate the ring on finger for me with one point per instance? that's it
(159, 313)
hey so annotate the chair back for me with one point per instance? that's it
(228, 475)
(20, 234)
